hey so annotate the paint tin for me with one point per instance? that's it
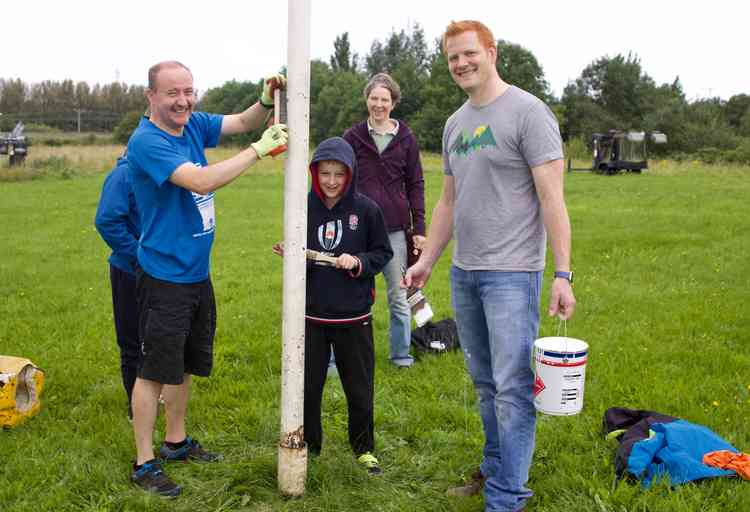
(559, 375)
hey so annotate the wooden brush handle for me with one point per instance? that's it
(319, 256)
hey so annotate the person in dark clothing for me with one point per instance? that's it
(390, 173)
(119, 225)
(348, 226)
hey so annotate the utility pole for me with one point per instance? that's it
(292, 465)
(78, 111)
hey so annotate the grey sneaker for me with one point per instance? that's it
(471, 488)
(403, 362)
(191, 450)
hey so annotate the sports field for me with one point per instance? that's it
(662, 264)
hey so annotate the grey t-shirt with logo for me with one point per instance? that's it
(489, 151)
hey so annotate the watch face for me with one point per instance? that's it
(565, 275)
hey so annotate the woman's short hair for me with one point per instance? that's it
(385, 81)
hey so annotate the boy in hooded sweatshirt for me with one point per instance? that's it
(348, 226)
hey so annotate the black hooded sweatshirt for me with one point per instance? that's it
(354, 226)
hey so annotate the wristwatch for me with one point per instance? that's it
(565, 275)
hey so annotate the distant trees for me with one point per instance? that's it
(738, 113)
(338, 104)
(615, 93)
(342, 58)
(440, 98)
(232, 97)
(428, 93)
(125, 128)
(610, 93)
(518, 66)
(12, 95)
(59, 104)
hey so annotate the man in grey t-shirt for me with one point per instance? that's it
(502, 195)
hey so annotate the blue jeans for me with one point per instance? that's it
(497, 314)
(400, 313)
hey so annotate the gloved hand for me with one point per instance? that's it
(273, 142)
(277, 81)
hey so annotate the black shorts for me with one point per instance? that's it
(176, 330)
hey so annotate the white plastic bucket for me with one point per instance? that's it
(559, 375)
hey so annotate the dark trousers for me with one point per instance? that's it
(355, 359)
(125, 309)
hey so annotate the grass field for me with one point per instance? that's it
(662, 279)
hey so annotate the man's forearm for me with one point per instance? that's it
(548, 180)
(203, 180)
(251, 118)
(557, 224)
(254, 116)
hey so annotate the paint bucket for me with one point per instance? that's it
(559, 375)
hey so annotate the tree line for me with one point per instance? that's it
(610, 93)
(63, 104)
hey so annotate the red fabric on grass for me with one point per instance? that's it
(724, 459)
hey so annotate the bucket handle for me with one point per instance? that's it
(563, 324)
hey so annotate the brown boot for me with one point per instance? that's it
(471, 488)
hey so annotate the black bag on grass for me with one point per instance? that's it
(436, 338)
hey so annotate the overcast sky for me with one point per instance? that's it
(705, 43)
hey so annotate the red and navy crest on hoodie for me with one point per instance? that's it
(353, 222)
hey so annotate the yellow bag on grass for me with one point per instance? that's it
(21, 383)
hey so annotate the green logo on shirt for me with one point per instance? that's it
(482, 137)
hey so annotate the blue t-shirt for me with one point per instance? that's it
(177, 224)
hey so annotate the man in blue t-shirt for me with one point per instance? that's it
(174, 191)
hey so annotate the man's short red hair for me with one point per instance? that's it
(459, 27)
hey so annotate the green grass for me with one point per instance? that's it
(662, 281)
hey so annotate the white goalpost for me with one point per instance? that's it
(292, 465)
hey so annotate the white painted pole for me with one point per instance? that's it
(292, 448)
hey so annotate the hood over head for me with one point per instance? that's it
(338, 149)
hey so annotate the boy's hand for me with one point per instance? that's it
(277, 81)
(278, 248)
(273, 141)
(347, 262)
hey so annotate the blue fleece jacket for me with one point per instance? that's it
(117, 219)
